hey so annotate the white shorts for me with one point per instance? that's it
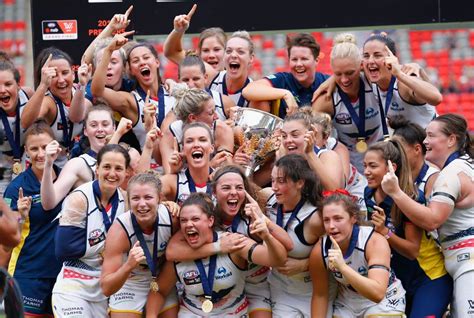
(258, 295)
(463, 296)
(287, 305)
(66, 306)
(131, 298)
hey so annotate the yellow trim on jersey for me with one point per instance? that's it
(25, 231)
(430, 257)
(125, 311)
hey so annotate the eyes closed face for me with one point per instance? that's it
(230, 194)
(8, 91)
(143, 65)
(346, 73)
(208, 114)
(212, 52)
(195, 225)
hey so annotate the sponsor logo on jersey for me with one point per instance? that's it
(223, 273)
(464, 257)
(371, 113)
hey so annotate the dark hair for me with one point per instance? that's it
(191, 59)
(383, 37)
(454, 124)
(153, 51)
(412, 133)
(198, 124)
(149, 177)
(347, 202)
(113, 148)
(249, 187)
(56, 54)
(393, 150)
(295, 167)
(40, 126)
(204, 202)
(96, 108)
(6, 64)
(304, 40)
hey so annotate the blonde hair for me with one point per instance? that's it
(102, 44)
(323, 120)
(189, 101)
(245, 36)
(345, 47)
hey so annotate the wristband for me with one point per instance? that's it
(217, 247)
(389, 234)
(21, 220)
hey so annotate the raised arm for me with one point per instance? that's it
(373, 287)
(32, 108)
(173, 47)
(115, 272)
(79, 104)
(8, 226)
(152, 141)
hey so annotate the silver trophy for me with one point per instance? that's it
(257, 135)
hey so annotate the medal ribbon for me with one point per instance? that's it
(67, 131)
(388, 101)
(114, 200)
(279, 219)
(422, 174)
(151, 260)
(452, 157)
(161, 102)
(192, 184)
(207, 281)
(242, 100)
(359, 120)
(14, 141)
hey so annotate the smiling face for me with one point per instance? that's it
(208, 114)
(375, 167)
(292, 134)
(212, 52)
(111, 171)
(337, 222)
(197, 147)
(195, 225)
(373, 61)
(303, 65)
(193, 76)
(237, 58)
(230, 194)
(287, 192)
(143, 65)
(438, 145)
(35, 147)
(346, 73)
(61, 84)
(144, 200)
(98, 126)
(115, 69)
(8, 91)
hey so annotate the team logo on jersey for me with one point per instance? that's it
(343, 119)
(223, 273)
(396, 107)
(371, 113)
(191, 277)
(95, 237)
(464, 257)
(163, 246)
(362, 270)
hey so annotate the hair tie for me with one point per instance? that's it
(344, 192)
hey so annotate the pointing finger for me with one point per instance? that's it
(334, 243)
(147, 98)
(175, 144)
(127, 33)
(20, 193)
(191, 12)
(127, 13)
(249, 197)
(389, 52)
(48, 60)
(379, 210)
(390, 167)
(137, 244)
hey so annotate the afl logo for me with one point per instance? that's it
(191, 274)
(343, 119)
(182, 197)
(95, 237)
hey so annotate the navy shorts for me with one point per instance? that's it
(36, 294)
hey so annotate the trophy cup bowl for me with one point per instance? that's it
(256, 132)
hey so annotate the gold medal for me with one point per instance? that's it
(207, 306)
(117, 116)
(361, 146)
(154, 286)
(17, 168)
